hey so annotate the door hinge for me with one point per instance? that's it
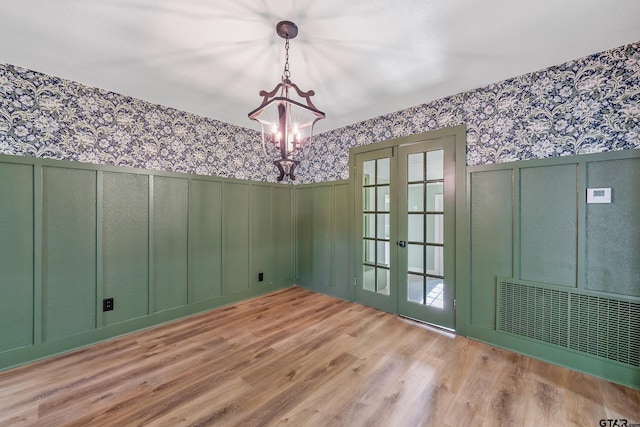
(454, 303)
(355, 281)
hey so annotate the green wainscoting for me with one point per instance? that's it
(125, 246)
(16, 257)
(341, 244)
(304, 220)
(492, 224)
(205, 240)
(283, 235)
(170, 240)
(261, 226)
(162, 245)
(168, 245)
(613, 243)
(235, 238)
(548, 224)
(572, 268)
(322, 237)
(68, 252)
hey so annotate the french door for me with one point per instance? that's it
(405, 228)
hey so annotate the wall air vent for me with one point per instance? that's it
(605, 327)
(570, 318)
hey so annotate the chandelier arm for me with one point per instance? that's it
(268, 95)
(306, 95)
(282, 125)
(292, 169)
(280, 168)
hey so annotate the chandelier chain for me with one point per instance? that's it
(286, 72)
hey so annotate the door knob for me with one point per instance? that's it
(402, 243)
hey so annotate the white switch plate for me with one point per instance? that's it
(598, 195)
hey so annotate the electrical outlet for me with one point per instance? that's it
(260, 277)
(107, 304)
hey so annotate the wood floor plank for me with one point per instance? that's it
(298, 358)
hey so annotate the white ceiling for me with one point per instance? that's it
(363, 58)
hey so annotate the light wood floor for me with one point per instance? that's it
(297, 358)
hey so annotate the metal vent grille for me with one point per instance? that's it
(606, 327)
(595, 325)
(532, 312)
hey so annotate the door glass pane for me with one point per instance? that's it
(384, 278)
(369, 199)
(415, 198)
(415, 259)
(415, 163)
(383, 171)
(435, 164)
(415, 290)
(435, 228)
(415, 228)
(435, 292)
(369, 278)
(369, 251)
(435, 196)
(383, 256)
(369, 172)
(384, 201)
(384, 225)
(435, 258)
(369, 225)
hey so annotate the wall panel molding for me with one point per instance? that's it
(530, 222)
(322, 237)
(76, 233)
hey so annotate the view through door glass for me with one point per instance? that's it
(426, 219)
(376, 221)
(425, 228)
(375, 244)
(405, 227)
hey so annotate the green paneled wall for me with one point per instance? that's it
(559, 238)
(235, 237)
(322, 237)
(613, 230)
(157, 243)
(16, 256)
(283, 235)
(166, 245)
(170, 230)
(548, 224)
(491, 240)
(125, 245)
(530, 225)
(68, 251)
(205, 240)
(341, 243)
(304, 198)
(261, 234)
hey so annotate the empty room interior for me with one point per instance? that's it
(376, 213)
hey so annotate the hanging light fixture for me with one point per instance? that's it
(286, 124)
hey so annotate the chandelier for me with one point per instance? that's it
(286, 124)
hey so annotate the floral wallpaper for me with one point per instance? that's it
(48, 117)
(587, 105)
(584, 106)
